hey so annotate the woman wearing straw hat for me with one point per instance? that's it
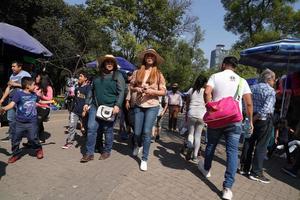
(107, 90)
(149, 83)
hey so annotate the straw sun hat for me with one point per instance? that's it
(159, 59)
(102, 59)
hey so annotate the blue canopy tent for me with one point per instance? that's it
(252, 81)
(124, 64)
(282, 54)
(15, 40)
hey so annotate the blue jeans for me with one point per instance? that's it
(105, 127)
(144, 119)
(232, 135)
(30, 129)
(11, 117)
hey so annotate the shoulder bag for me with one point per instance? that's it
(225, 111)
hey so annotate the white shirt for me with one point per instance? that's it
(225, 84)
(197, 105)
(17, 78)
(174, 98)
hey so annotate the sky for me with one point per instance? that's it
(211, 20)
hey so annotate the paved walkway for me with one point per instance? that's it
(60, 175)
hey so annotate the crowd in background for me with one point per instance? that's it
(140, 100)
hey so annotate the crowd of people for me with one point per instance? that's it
(141, 99)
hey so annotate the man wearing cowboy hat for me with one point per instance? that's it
(107, 90)
(174, 104)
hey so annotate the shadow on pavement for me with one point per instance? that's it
(4, 151)
(2, 169)
(80, 143)
(175, 161)
(125, 147)
(273, 168)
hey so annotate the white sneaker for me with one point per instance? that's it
(202, 170)
(227, 194)
(143, 166)
(136, 151)
(280, 147)
(292, 148)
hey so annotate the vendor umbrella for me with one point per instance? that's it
(124, 64)
(281, 54)
(14, 40)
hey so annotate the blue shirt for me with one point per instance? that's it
(263, 96)
(26, 106)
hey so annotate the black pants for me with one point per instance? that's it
(43, 113)
(260, 140)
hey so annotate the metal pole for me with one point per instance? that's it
(284, 88)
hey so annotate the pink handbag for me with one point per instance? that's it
(223, 112)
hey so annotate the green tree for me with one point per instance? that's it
(250, 18)
(136, 24)
(24, 14)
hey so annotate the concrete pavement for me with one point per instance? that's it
(60, 175)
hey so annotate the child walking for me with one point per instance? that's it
(26, 118)
(77, 111)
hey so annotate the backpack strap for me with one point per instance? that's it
(237, 95)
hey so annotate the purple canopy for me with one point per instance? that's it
(124, 64)
(15, 37)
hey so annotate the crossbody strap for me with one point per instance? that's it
(237, 95)
(94, 94)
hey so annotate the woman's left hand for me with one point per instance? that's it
(116, 110)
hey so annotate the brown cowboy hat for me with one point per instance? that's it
(102, 59)
(159, 59)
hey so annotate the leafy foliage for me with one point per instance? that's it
(79, 33)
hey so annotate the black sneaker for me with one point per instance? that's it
(156, 138)
(188, 154)
(259, 178)
(290, 172)
(26, 145)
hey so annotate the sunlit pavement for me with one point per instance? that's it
(60, 175)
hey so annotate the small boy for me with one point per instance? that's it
(77, 111)
(26, 118)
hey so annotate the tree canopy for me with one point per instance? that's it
(77, 34)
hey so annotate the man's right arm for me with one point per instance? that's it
(5, 95)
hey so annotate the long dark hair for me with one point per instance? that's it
(199, 83)
(44, 82)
